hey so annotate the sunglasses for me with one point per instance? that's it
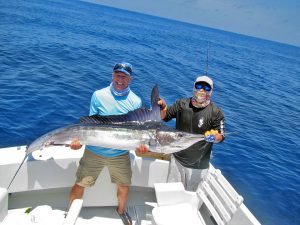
(124, 66)
(205, 87)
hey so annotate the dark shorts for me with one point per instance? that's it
(91, 165)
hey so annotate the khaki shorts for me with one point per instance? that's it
(91, 165)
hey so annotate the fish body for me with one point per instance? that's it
(157, 137)
(124, 132)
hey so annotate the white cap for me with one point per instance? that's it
(205, 79)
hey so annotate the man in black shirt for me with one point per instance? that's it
(196, 115)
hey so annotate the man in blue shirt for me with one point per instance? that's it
(116, 99)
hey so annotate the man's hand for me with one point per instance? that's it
(163, 107)
(75, 144)
(213, 136)
(162, 104)
(142, 149)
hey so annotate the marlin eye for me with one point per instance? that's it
(180, 135)
(152, 142)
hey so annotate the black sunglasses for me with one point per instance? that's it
(124, 66)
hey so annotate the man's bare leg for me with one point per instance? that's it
(76, 193)
(122, 194)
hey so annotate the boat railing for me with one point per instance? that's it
(219, 196)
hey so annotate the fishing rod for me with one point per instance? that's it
(207, 51)
(18, 169)
(26, 155)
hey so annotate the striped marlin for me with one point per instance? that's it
(125, 132)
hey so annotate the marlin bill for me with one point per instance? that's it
(125, 132)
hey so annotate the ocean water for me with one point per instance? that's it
(54, 54)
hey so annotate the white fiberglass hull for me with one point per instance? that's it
(44, 182)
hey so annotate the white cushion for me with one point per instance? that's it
(177, 214)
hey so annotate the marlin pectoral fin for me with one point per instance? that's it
(139, 115)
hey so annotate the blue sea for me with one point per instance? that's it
(55, 54)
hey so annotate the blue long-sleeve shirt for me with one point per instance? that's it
(104, 102)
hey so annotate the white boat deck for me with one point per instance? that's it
(44, 182)
(140, 203)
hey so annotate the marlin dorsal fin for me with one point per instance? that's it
(141, 115)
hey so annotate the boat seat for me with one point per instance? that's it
(178, 206)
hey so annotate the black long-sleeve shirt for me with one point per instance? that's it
(195, 120)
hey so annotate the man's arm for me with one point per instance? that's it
(217, 133)
(218, 138)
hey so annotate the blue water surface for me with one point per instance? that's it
(54, 54)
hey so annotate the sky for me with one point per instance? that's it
(276, 20)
